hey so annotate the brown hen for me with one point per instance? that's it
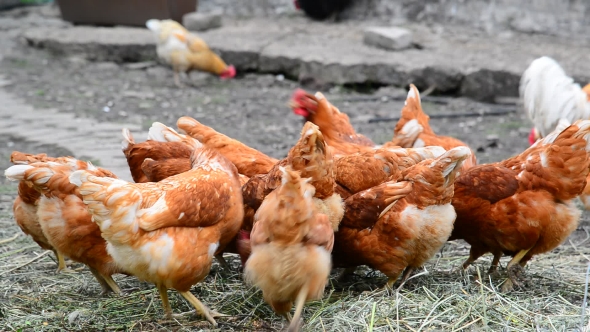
(65, 220)
(291, 245)
(168, 232)
(523, 206)
(334, 125)
(413, 129)
(400, 225)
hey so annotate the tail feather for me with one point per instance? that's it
(97, 192)
(44, 177)
(17, 172)
(583, 132)
(408, 135)
(313, 158)
(162, 133)
(451, 161)
(127, 139)
(195, 129)
(413, 110)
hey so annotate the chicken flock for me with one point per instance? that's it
(336, 200)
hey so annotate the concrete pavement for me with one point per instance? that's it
(453, 59)
(86, 138)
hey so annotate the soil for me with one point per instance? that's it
(252, 108)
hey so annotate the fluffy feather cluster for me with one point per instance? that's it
(335, 200)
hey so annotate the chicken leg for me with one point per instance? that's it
(295, 324)
(222, 262)
(165, 303)
(61, 262)
(106, 282)
(495, 262)
(201, 308)
(474, 254)
(177, 80)
(407, 273)
(514, 269)
(391, 281)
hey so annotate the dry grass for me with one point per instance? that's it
(34, 297)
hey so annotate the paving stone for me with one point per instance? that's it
(389, 38)
(198, 21)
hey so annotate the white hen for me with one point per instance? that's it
(548, 95)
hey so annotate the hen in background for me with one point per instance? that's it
(523, 206)
(334, 125)
(168, 232)
(413, 129)
(64, 218)
(396, 227)
(548, 95)
(291, 244)
(185, 51)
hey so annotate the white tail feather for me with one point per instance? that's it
(411, 128)
(127, 139)
(17, 172)
(77, 177)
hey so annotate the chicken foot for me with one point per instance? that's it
(106, 283)
(287, 316)
(295, 324)
(201, 308)
(61, 261)
(407, 273)
(515, 271)
(495, 263)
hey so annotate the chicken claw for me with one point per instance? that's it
(515, 271)
(106, 282)
(201, 308)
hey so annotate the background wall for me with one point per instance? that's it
(555, 17)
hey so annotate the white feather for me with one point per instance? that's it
(153, 25)
(17, 172)
(548, 95)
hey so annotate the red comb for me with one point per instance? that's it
(229, 72)
(532, 135)
(298, 94)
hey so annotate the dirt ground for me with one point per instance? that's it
(253, 109)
